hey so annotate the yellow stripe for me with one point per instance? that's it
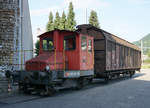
(64, 59)
(93, 54)
(55, 59)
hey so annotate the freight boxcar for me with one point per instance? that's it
(113, 55)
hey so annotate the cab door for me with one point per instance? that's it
(86, 55)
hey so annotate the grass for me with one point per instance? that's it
(146, 66)
(147, 61)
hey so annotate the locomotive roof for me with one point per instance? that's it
(108, 36)
(57, 30)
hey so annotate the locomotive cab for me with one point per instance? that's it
(63, 51)
(63, 56)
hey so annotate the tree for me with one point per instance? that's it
(57, 21)
(71, 23)
(62, 25)
(37, 47)
(148, 53)
(50, 24)
(93, 19)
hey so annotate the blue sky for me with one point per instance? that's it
(128, 19)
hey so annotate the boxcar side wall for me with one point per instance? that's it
(120, 57)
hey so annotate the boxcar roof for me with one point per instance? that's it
(109, 36)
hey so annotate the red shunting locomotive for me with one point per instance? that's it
(63, 50)
(64, 56)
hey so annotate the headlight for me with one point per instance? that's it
(47, 68)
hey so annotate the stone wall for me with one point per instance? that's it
(9, 12)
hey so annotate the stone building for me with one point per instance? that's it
(8, 29)
(15, 32)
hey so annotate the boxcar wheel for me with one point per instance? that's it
(109, 77)
(132, 73)
(106, 80)
(90, 80)
(118, 75)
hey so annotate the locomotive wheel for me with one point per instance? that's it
(20, 87)
(90, 80)
(80, 83)
(50, 91)
(26, 86)
(25, 89)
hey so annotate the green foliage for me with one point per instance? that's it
(148, 53)
(147, 61)
(62, 25)
(50, 25)
(57, 21)
(146, 66)
(71, 23)
(146, 43)
(37, 47)
(93, 19)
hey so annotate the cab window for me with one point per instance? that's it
(69, 43)
(89, 45)
(83, 43)
(48, 44)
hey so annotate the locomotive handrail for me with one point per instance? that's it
(55, 59)
(93, 54)
(64, 58)
(88, 55)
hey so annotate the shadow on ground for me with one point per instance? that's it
(98, 83)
